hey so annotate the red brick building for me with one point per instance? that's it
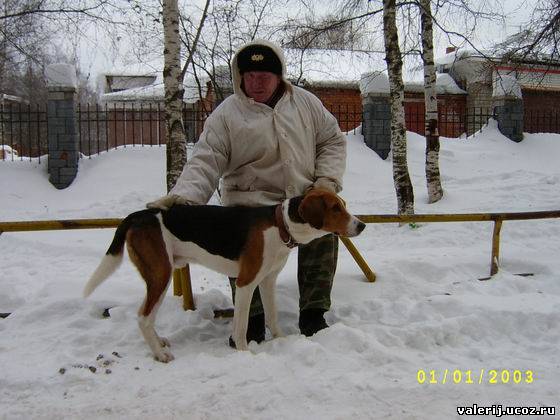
(539, 82)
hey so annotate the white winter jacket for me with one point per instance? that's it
(264, 155)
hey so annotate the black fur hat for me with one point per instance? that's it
(258, 58)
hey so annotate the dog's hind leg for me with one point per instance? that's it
(158, 345)
(267, 289)
(148, 252)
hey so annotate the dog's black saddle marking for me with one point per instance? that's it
(219, 230)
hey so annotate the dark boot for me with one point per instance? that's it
(312, 320)
(255, 330)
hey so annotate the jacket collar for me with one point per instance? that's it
(278, 93)
(279, 221)
(282, 88)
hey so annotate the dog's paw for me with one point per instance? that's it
(241, 344)
(277, 332)
(164, 342)
(164, 356)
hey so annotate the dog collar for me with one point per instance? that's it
(288, 240)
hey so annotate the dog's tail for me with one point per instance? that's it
(111, 260)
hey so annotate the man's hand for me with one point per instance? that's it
(165, 202)
(324, 183)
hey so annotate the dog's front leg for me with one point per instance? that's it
(267, 289)
(243, 296)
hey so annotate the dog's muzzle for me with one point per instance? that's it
(355, 227)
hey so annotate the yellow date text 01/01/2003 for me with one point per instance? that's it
(480, 376)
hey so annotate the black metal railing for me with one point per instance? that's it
(24, 127)
(541, 121)
(105, 127)
(454, 120)
(23, 131)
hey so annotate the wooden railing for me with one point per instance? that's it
(181, 277)
(497, 218)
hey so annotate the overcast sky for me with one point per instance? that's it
(97, 52)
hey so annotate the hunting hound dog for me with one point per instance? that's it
(249, 243)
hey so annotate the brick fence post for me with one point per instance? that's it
(376, 127)
(508, 107)
(376, 119)
(62, 125)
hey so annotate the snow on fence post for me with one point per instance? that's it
(62, 124)
(508, 106)
(376, 119)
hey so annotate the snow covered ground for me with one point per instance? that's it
(427, 313)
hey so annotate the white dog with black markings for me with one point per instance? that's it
(251, 244)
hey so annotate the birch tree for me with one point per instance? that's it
(401, 177)
(433, 179)
(173, 87)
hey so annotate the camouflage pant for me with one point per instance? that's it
(316, 267)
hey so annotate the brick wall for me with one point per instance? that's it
(140, 124)
(479, 95)
(539, 100)
(451, 110)
(346, 106)
(542, 111)
(344, 103)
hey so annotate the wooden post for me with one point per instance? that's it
(182, 287)
(494, 264)
(177, 286)
(370, 275)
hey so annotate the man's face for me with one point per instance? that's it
(260, 85)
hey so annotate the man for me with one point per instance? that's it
(267, 142)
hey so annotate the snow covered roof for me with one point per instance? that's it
(152, 93)
(151, 68)
(444, 85)
(378, 82)
(313, 67)
(506, 85)
(530, 75)
(321, 67)
(374, 82)
(448, 59)
(11, 98)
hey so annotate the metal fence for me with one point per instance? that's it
(23, 131)
(101, 128)
(24, 128)
(541, 121)
(348, 115)
(453, 120)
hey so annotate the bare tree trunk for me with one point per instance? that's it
(433, 179)
(401, 178)
(173, 85)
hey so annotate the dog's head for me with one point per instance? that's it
(325, 211)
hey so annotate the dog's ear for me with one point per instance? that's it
(312, 210)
